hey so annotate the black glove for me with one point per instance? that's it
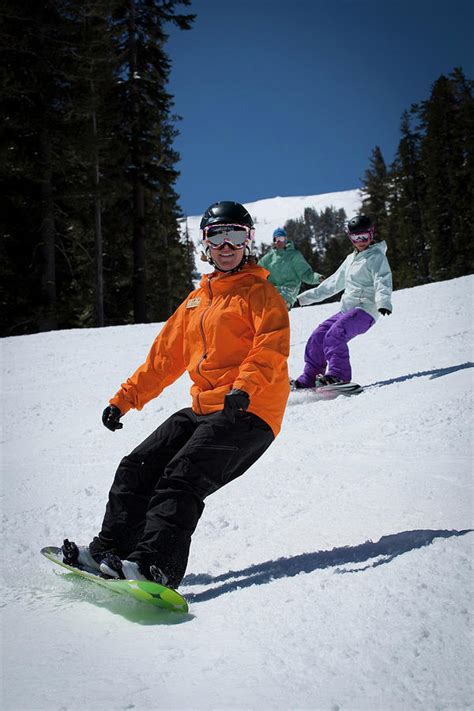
(233, 401)
(384, 312)
(111, 417)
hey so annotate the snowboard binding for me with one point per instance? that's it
(70, 552)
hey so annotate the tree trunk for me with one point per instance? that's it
(98, 242)
(99, 272)
(48, 316)
(139, 273)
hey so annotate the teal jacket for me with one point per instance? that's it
(288, 269)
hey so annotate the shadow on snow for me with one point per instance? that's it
(436, 373)
(388, 546)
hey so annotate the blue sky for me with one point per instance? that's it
(289, 97)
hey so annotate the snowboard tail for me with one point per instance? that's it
(142, 590)
(329, 392)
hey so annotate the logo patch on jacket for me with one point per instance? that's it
(192, 303)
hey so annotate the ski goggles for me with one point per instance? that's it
(235, 235)
(361, 237)
(279, 238)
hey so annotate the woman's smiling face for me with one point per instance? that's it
(227, 257)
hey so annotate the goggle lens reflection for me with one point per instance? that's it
(235, 235)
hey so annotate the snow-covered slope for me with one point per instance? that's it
(274, 212)
(335, 574)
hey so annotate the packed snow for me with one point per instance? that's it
(336, 574)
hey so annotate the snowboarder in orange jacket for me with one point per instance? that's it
(232, 336)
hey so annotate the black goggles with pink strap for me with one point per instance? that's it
(235, 235)
(361, 237)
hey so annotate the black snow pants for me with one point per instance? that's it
(158, 493)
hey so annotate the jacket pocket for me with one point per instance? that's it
(210, 467)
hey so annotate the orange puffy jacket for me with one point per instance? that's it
(231, 332)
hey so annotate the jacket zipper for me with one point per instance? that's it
(361, 295)
(204, 342)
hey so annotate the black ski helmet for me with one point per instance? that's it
(360, 223)
(226, 212)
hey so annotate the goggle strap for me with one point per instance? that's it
(217, 227)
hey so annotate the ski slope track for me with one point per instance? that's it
(336, 574)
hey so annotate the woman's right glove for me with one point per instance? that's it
(235, 400)
(111, 418)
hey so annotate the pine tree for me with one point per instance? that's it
(92, 157)
(321, 238)
(376, 192)
(337, 249)
(147, 128)
(35, 60)
(409, 255)
(424, 206)
(447, 158)
(89, 171)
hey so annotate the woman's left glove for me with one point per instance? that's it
(234, 401)
(385, 312)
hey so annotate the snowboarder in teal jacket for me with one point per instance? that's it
(288, 268)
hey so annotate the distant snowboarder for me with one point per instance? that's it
(288, 268)
(366, 279)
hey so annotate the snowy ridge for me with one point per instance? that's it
(336, 574)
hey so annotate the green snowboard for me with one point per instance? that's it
(143, 590)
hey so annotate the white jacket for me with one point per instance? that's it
(366, 279)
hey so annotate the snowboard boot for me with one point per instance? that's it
(111, 566)
(298, 385)
(158, 576)
(322, 380)
(78, 556)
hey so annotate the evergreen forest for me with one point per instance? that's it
(89, 216)
(422, 204)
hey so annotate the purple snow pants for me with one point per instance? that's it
(326, 351)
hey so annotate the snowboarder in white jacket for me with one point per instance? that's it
(366, 279)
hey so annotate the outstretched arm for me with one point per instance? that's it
(304, 271)
(329, 287)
